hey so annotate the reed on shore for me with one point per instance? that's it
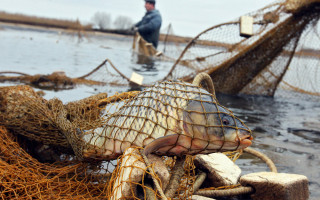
(73, 25)
(42, 21)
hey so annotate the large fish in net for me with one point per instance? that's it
(169, 118)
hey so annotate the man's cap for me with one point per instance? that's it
(150, 1)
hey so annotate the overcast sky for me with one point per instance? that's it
(188, 17)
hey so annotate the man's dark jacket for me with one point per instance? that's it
(149, 27)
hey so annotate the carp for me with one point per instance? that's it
(169, 118)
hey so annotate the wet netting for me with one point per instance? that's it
(277, 53)
(133, 145)
(55, 81)
(282, 52)
(280, 55)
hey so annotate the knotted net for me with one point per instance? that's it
(282, 52)
(280, 57)
(34, 128)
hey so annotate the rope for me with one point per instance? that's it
(200, 179)
(101, 65)
(12, 72)
(223, 193)
(177, 173)
(263, 157)
(205, 81)
(163, 196)
(240, 190)
(150, 194)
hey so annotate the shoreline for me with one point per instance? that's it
(76, 26)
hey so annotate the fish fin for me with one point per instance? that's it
(165, 141)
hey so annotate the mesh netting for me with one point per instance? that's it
(185, 119)
(281, 55)
(57, 80)
(23, 177)
(85, 137)
(24, 112)
(278, 52)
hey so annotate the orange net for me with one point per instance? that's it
(82, 165)
(23, 177)
(169, 118)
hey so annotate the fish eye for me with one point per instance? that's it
(225, 121)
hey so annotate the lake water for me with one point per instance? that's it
(204, 14)
(283, 128)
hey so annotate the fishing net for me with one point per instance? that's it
(183, 115)
(24, 112)
(281, 57)
(143, 47)
(281, 53)
(56, 81)
(24, 177)
(75, 135)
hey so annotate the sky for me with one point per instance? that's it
(187, 17)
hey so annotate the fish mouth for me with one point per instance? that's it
(244, 141)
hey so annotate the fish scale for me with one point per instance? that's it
(154, 113)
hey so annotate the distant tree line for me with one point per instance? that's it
(102, 20)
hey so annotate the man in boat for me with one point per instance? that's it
(149, 26)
